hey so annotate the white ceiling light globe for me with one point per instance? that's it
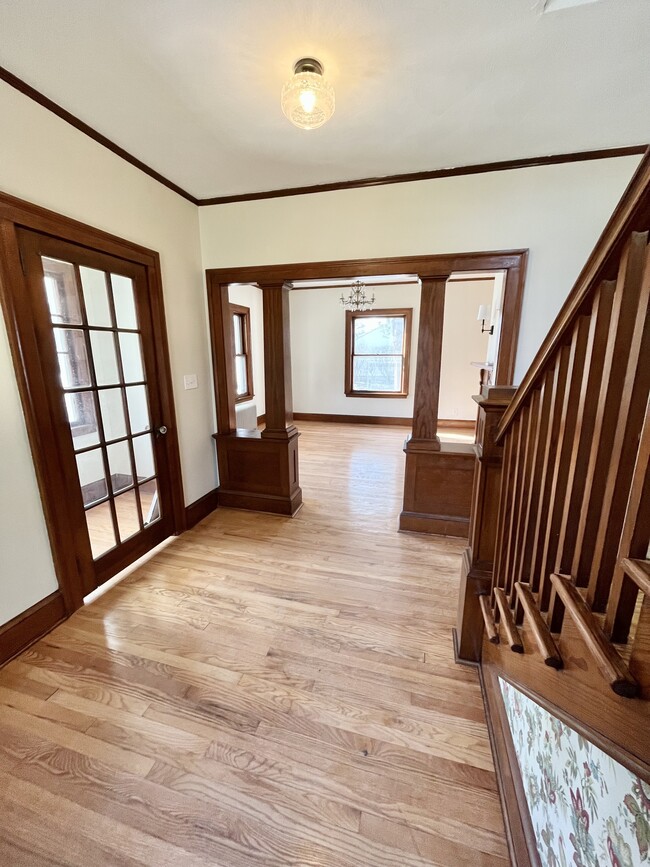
(307, 98)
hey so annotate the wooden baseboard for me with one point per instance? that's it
(434, 525)
(520, 835)
(201, 508)
(261, 419)
(443, 423)
(275, 504)
(28, 627)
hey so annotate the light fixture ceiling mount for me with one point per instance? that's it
(307, 98)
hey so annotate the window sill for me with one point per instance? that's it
(244, 398)
(375, 394)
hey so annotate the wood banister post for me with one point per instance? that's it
(277, 362)
(478, 557)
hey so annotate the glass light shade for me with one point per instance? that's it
(307, 98)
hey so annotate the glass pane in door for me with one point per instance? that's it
(101, 371)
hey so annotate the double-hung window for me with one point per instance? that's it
(241, 320)
(378, 346)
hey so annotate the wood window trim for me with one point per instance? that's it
(403, 312)
(241, 310)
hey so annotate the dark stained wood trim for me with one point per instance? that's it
(520, 835)
(407, 314)
(329, 418)
(435, 265)
(201, 508)
(481, 168)
(31, 92)
(261, 419)
(240, 310)
(602, 264)
(41, 423)
(28, 627)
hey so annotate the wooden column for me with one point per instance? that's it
(478, 558)
(277, 362)
(257, 470)
(438, 477)
(223, 357)
(427, 377)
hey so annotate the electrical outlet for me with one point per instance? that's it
(190, 380)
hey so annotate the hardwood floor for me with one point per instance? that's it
(265, 691)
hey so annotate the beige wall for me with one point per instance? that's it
(557, 211)
(46, 161)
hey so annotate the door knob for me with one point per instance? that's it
(162, 430)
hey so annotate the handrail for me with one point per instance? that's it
(602, 264)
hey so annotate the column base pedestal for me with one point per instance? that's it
(438, 488)
(259, 474)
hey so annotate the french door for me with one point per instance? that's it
(93, 323)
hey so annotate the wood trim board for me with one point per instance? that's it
(201, 508)
(513, 262)
(329, 418)
(504, 165)
(30, 625)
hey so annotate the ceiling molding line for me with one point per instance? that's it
(74, 121)
(481, 168)
(505, 165)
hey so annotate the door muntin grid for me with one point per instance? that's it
(98, 342)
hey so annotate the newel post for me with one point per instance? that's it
(478, 557)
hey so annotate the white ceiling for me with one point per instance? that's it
(192, 87)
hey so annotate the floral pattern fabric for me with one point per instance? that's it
(587, 810)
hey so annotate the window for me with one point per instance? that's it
(64, 308)
(378, 344)
(241, 321)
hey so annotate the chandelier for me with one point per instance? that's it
(357, 299)
(307, 99)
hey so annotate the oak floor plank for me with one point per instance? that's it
(264, 691)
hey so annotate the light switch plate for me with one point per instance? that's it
(191, 381)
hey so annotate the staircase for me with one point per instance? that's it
(555, 586)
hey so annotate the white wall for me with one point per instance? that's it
(557, 211)
(46, 161)
(318, 352)
(462, 343)
(251, 297)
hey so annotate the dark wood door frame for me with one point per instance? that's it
(513, 262)
(238, 450)
(40, 422)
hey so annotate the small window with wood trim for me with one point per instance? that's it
(377, 353)
(241, 320)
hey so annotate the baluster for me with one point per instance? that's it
(621, 329)
(559, 480)
(633, 544)
(504, 508)
(516, 497)
(537, 578)
(601, 312)
(632, 405)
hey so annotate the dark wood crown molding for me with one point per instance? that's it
(456, 171)
(73, 120)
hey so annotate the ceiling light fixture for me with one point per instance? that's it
(307, 98)
(357, 299)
